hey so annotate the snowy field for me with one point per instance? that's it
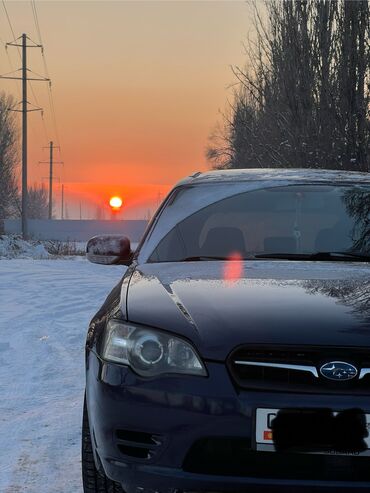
(45, 307)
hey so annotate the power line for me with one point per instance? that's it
(11, 27)
(46, 73)
(34, 11)
(20, 57)
(10, 65)
(5, 47)
(52, 110)
(50, 93)
(42, 116)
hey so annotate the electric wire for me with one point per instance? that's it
(50, 92)
(17, 169)
(19, 54)
(20, 57)
(8, 56)
(34, 11)
(11, 27)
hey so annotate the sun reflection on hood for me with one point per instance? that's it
(233, 269)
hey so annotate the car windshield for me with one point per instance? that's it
(293, 220)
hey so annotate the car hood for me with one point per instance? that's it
(220, 305)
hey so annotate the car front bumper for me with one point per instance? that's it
(197, 434)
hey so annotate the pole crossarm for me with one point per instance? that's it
(44, 79)
(27, 111)
(35, 108)
(27, 46)
(14, 43)
(48, 178)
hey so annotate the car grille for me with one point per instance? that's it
(138, 444)
(234, 457)
(296, 369)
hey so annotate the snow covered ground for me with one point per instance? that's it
(45, 307)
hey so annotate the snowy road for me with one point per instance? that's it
(45, 307)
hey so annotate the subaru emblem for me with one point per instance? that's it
(338, 370)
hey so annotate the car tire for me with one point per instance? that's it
(93, 480)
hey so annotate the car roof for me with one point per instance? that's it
(300, 175)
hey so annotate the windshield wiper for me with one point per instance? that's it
(332, 256)
(329, 256)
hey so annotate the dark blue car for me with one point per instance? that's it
(234, 355)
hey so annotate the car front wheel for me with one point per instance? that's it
(93, 480)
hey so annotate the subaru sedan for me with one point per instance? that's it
(234, 354)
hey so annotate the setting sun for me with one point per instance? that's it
(115, 202)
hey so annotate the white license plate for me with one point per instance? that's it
(264, 440)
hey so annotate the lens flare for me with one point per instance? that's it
(234, 267)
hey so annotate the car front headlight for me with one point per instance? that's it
(149, 352)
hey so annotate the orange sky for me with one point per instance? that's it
(137, 87)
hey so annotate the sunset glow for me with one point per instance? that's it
(138, 89)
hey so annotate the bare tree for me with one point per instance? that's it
(8, 159)
(38, 203)
(303, 98)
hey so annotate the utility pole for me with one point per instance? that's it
(23, 44)
(51, 181)
(159, 199)
(51, 147)
(62, 214)
(24, 139)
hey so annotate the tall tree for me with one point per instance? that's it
(303, 98)
(8, 158)
(38, 202)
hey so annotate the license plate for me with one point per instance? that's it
(265, 439)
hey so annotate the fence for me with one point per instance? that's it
(76, 230)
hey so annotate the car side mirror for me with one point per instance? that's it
(109, 249)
